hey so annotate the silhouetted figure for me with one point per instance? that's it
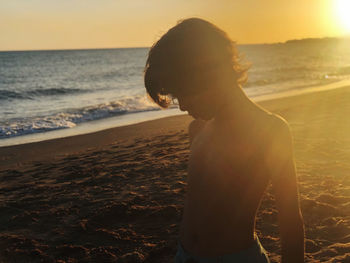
(237, 148)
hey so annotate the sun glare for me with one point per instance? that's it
(342, 9)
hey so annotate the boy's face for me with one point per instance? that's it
(199, 106)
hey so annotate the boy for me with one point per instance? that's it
(237, 148)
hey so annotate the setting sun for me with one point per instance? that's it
(342, 8)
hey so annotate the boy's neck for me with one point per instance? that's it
(235, 106)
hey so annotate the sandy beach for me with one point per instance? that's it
(117, 195)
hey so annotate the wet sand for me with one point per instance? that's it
(117, 195)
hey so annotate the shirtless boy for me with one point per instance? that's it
(237, 148)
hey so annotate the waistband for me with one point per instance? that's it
(256, 253)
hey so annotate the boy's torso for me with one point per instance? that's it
(226, 180)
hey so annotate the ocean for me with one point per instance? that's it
(57, 93)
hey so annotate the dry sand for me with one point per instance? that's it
(117, 195)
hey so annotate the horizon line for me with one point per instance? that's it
(136, 47)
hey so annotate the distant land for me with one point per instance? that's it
(313, 40)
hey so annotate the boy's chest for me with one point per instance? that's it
(215, 153)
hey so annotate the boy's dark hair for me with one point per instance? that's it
(189, 58)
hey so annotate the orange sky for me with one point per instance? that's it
(68, 24)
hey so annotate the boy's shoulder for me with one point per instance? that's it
(276, 132)
(279, 124)
(280, 138)
(281, 128)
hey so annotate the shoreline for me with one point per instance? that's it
(90, 127)
(42, 150)
(136, 118)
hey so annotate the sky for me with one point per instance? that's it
(78, 24)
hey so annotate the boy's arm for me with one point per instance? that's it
(287, 199)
